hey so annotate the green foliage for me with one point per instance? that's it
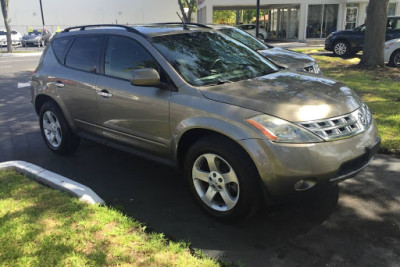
(229, 16)
(43, 227)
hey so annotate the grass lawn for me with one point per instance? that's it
(44, 227)
(380, 89)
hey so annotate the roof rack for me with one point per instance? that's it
(83, 27)
(181, 23)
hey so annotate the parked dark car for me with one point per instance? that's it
(36, 37)
(349, 42)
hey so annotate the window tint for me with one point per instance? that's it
(124, 55)
(206, 58)
(84, 53)
(59, 45)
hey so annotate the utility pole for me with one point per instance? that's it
(257, 17)
(41, 10)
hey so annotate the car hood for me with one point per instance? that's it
(288, 95)
(287, 58)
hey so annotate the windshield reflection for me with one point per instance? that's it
(209, 58)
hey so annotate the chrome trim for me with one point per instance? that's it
(340, 127)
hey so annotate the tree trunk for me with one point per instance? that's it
(4, 8)
(375, 34)
(191, 5)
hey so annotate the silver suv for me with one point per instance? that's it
(241, 129)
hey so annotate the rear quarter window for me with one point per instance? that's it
(59, 46)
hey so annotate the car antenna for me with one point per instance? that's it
(185, 27)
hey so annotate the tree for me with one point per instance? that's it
(191, 5)
(4, 8)
(374, 43)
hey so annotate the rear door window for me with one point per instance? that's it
(85, 53)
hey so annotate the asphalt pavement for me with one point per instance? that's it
(363, 229)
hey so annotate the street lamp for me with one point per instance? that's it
(41, 10)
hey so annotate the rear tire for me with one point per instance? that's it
(55, 130)
(395, 59)
(222, 178)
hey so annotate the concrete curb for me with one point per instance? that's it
(33, 54)
(84, 193)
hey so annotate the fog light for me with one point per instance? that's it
(304, 185)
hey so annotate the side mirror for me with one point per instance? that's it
(145, 77)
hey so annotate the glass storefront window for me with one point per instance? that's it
(322, 20)
(284, 23)
(392, 9)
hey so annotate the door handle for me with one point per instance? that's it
(59, 84)
(104, 93)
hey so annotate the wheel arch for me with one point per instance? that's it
(43, 98)
(391, 59)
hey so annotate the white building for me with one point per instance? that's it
(299, 19)
(63, 13)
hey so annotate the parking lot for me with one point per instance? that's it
(362, 230)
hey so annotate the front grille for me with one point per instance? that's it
(340, 127)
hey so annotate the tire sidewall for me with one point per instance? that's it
(63, 125)
(392, 63)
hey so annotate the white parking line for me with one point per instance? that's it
(22, 85)
(2, 67)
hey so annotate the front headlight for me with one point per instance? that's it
(37, 38)
(282, 131)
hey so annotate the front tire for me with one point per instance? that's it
(395, 59)
(55, 130)
(222, 178)
(341, 49)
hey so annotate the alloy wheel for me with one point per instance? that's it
(216, 182)
(52, 129)
(340, 49)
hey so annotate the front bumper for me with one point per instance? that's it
(329, 44)
(283, 166)
(33, 41)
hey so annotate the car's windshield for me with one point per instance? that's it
(2, 33)
(206, 58)
(244, 38)
(35, 32)
(360, 28)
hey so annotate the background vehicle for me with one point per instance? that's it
(241, 129)
(15, 37)
(36, 37)
(281, 57)
(392, 52)
(251, 29)
(349, 42)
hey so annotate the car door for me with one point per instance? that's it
(76, 80)
(393, 29)
(128, 114)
